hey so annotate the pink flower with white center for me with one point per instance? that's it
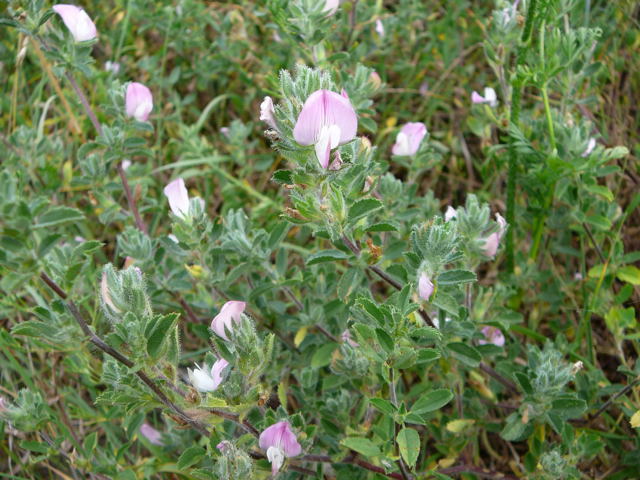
(230, 313)
(151, 434)
(280, 442)
(450, 213)
(77, 21)
(346, 337)
(408, 139)
(379, 28)
(492, 242)
(326, 120)
(267, 112)
(489, 97)
(205, 379)
(176, 193)
(590, 146)
(331, 6)
(425, 287)
(138, 101)
(492, 335)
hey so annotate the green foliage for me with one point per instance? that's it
(523, 359)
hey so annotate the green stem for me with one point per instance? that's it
(516, 95)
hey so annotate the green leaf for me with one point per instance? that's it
(453, 277)
(190, 456)
(383, 405)
(283, 177)
(372, 309)
(157, 332)
(600, 190)
(523, 380)
(363, 207)
(514, 429)
(59, 216)
(409, 445)
(629, 274)
(326, 256)
(599, 222)
(363, 446)
(432, 401)
(385, 340)
(568, 407)
(427, 355)
(465, 353)
(322, 355)
(381, 227)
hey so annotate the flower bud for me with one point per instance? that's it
(230, 314)
(176, 193)
(590, 146)
(123, 291)
(77, 21)
(138, 101)
(408, 139)
(379, 28)
(425, 287)
(375, 80)
(267, 112)
(450, 213)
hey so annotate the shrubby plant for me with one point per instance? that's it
(229, 249)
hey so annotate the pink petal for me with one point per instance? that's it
(477, 98)
(409, 139)
(324, 108)
(425, 287)
(216, 371)
(229, 313)
(176, 193)
(77, 21)
(331, 6)
(493, 335)
(491, 244)
(267, 112)
(279, 435)
(151, 434)
(138, 101)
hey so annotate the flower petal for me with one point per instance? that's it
(324, 108)
(425, 287)
(77, 21)
(229, 313)
(138, 101)
(176, 193)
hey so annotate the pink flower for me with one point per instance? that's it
(205, 379)
(223, 446)
(379, 28)
(492, 335)
(346, 337)
(490, 97)
(151, 434)
(425, 287)
(279, 442)
(138, 101)
(113, 67)
(176, 193)
(492, 242)
(267, 112)
(125, 164)
(590, 146)
(331, 6)
(326, 120)
(77, 21)
(229, 314)
(409, 138)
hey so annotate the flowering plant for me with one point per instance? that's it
(256, 240)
